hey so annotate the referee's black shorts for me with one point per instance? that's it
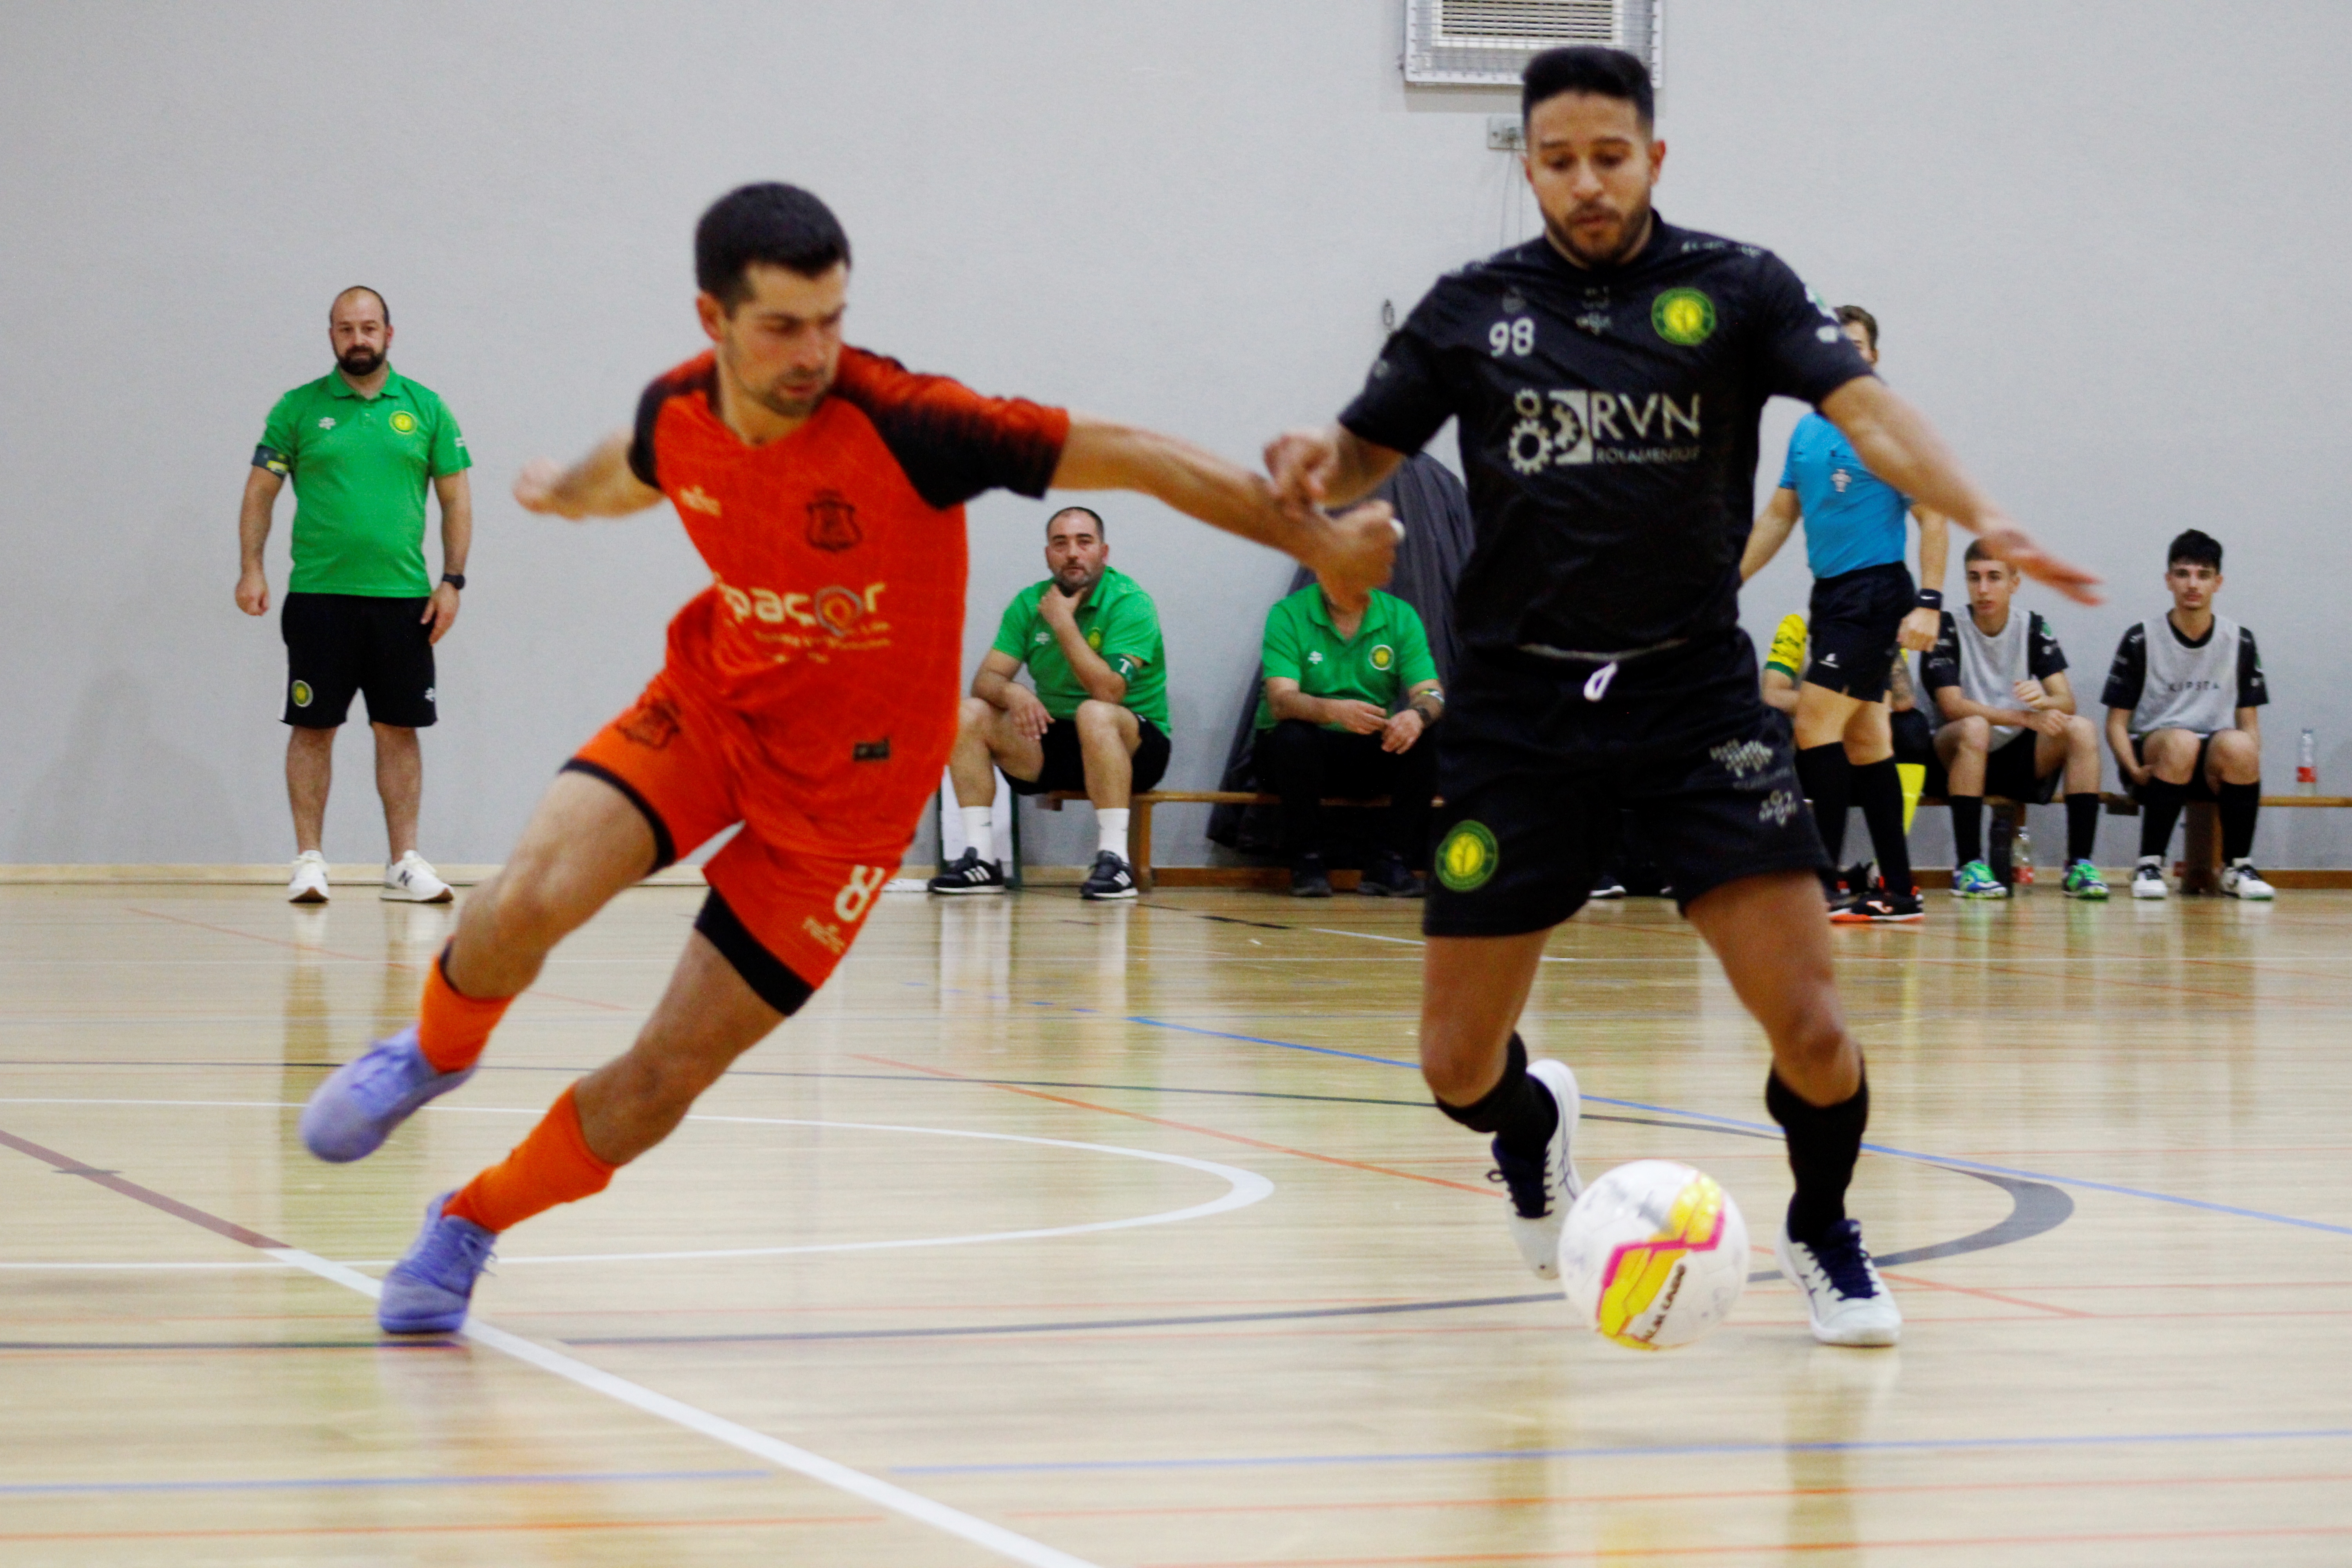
(1853, 622)
(340, 644)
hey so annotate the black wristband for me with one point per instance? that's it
(454, 579)
(1931, 598)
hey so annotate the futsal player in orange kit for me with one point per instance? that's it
(809, 694)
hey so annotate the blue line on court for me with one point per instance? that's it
(1646, 1451)
(329, 1483)
(1257, 1040)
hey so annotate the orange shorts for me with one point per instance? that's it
(802, 910)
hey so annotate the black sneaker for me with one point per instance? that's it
(1110, 878)
(1308, 879)
(1386, 877)
(1880, 907)
(1607, 885)
(967, 873)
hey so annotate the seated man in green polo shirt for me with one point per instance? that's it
(1097, 721)
(1349, 690)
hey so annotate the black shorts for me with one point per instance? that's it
(2197, 788)
(1534, 776)
(1854, 620)
(337, 644)
(1066, 764)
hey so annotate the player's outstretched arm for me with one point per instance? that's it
(599, 485)
(1896, 442)
(1354, 550)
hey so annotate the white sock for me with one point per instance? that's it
(1112, 821)
(980, 829)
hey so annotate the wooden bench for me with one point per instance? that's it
(1139, 830)
(2200, 848)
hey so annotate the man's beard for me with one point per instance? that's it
(1630, 238)
(776, 402)
(359, 361)
(1075, 581)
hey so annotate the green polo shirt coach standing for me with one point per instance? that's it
(1097, 721)
(361, 443)
(1350, 688)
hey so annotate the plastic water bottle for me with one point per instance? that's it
(2307, 764)
(2021, 855)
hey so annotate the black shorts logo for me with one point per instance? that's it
(870, 750)
(1467, 859)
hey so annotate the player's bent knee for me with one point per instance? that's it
(973, 715)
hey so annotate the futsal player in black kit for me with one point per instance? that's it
(1609, 376)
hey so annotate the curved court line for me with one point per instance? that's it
(1243, 1189)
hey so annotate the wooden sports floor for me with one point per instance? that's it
(1066, 1234)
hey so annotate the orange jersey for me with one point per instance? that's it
(825, 653)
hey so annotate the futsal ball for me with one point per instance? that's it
(1653, 1254)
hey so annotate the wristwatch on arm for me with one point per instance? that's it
(454, 579)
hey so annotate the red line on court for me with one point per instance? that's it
(1183, 1126)
(1985, 1295)
(354, 957)
(1359, 1505)
(1762, 1548)
(147, 1195)
(530, 1526)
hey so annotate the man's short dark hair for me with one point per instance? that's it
(2196, 547)
(360, 289)
(1100, 531)
(1588, 68)
(777, 225)
(1978, 549)
(1848, 314)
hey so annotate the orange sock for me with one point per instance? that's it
(451, 1029)
(551, 1165)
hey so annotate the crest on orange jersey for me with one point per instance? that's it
(832, 522)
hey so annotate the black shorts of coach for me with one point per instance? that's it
(339, 645)
(1533, 775)
(1066, 762)
(1852, 628)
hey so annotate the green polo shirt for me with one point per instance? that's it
(1119, 622)
(1387, 656)
(361, 467)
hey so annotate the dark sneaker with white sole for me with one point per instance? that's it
(1111, 878)
(967, 873)
(1845, 1301)
(1308, 879)
(1387, 877)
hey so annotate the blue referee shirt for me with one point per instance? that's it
(1853, 518)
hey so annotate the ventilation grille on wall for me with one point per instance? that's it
(1487, 42)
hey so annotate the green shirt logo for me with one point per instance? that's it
(1467, 857)
(1683, 316)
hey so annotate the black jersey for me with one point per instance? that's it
(1609, 428)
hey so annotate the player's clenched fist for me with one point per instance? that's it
(1358, 548)
(534, 487)
(1301, 463)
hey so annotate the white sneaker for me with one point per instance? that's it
(2147, 880)
(2241, 880)
(1845, 1299)
(412, 880)
(308, 883)
(1549, 1190)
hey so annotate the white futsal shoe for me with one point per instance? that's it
(2148, 879)
(411, 880)
(307, 885)
(1846, 1301)
(2241, 880)
(1540, 1194)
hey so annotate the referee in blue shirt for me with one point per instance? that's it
(1866, 612)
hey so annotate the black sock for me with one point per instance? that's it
(1824, 1141)
(2159, 808)
(1967, 826)
(1879, 790)
(2240, 804)
(1520, 1112)
(2081, 826)
(1828, 781)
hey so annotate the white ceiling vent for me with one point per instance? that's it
(1486, 42)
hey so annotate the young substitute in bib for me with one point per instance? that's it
(1998, 681)
(809, 694)
(1609, 376)
(1865, 614)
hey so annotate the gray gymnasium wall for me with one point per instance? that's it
(2102, 238)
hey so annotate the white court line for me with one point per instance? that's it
(784, 1456)
(1243, 1189)
(1404, 941)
